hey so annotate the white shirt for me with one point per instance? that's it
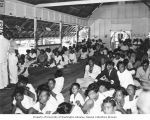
(51, 106)
(32, 55)
(84, 55)
(117, 60)
(96, 109)
(66, 59)
(131, 105)
(31, 89)
(49, 55)
(57, 59)
(4, 47)
(125, 78)
(73, 57)
(27, 103)
(142, 75)
(59, 98)
(76, 110)
(95, 72)
(91, 52)
(59, 85)
(78, 97)
(108, 93)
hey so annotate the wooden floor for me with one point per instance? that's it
(39, 76)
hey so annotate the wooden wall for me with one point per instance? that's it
(116, 17)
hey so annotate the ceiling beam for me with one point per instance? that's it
(83, 2)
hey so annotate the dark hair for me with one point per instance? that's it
(42, 87)
(20, 90)
(120, 63)
(28, 51)
(64, 108)
(103, 83)
(45, 90)
(74, 84)
(94, 87)
(109, 100)
(110, 63)
(23, 79)
(52, 79)
(92, 59)
(134, 87)
(58, 73)
(145, 62)
(125, 61)
(122, 89)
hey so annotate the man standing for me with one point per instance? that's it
(12, 63)
(4, 47)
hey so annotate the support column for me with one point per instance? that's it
(60, 32)
(35, 32)
(77, 33)
(89, 33)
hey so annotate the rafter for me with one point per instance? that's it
(83, 2)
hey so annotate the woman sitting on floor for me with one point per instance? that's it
(91, 72)
(42, 58)
(58, 59)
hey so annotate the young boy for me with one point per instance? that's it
(46, 104)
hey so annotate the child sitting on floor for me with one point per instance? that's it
(30, 91)
(109, 106)
(21, 103)
(76, 98)
(59, 96)
(46, 103)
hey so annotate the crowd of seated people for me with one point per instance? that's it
(114, 82)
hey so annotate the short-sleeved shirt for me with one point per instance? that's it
(27, 103)
(78, 97)
(50, 106)
(142, 75)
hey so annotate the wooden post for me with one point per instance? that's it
(89, 33)
(35, 32)
(77, 33)
(60, 32)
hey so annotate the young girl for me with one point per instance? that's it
(131, 99)
(119, 97)
(109, 106)
(76, 98)
(21, 103)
